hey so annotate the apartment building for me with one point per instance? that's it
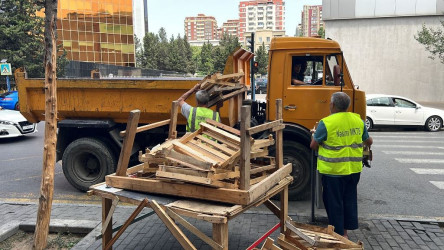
(230, 27)
(200, 28)
(261, 15)
(311, 17)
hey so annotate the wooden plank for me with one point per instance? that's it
(220, 234)
(127, 223)
(284, 208)
(221, 147)
(279, 136)
(174, 229)
(147, 127)
(223, 83)
(187, 160)
(134, 169)
(230, 137)
(261, 143)
(193, 229)
(110, 215)
(195, 179)
(206, 207)
(107, 231)
(202, 151)
(182, 148)
(228, 76)
(257, 180)
(210, 150)
(231, 160)
(228, 175)
(190, 136)
(128, 142)
(295, 230)
(289, 243)
(191, 214)
(244, 180)
(263, 127)
(259, 153)
(221, 139)
(262, 169)
(223, 126)
(173, 123)
(228, 96)
(181, 170)
(273, 208)
(260, 188)
(232, 196)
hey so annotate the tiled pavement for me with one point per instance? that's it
(150, 233)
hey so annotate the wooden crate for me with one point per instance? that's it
(308, 237)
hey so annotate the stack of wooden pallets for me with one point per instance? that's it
(222, 87)
(216, 162)
(209, 156)
(300, 236)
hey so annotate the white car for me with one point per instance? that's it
(13, 124)
(390, 110)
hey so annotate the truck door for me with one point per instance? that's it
(308, 88)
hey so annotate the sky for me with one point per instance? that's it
(170, 14)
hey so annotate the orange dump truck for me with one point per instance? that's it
(92, 112)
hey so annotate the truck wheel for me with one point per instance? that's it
(86, 161)
(299, 156)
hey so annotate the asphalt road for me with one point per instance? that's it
(406, 178)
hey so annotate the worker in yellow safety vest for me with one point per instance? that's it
(196, 115)
(340, 138)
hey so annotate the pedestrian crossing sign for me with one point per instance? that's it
(5, 69)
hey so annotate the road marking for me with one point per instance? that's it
(22, 158)
(420, 161)
(404, 146)
(409, 141)
(414, 137)
(438, 184)
(411, 153)
(428, 170)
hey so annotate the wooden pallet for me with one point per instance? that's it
(309, 237)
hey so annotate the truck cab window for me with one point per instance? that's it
(307, 70)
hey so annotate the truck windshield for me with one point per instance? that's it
(331, 62)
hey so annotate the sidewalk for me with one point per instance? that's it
(150, 233)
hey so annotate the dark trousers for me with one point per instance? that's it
(340, 197)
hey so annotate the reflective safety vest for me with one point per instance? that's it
(198, 115)
(341, 153)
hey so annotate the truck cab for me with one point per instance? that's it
(306, 102)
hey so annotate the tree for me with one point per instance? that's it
(206, 63)
(21, 37)
(150, 51)
(162, 59)
(227, 45)
(262, 59)
(433, 40)
(321, 32)
(139, 52)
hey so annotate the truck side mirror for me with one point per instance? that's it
(337, 75)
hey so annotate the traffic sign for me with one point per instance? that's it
(5, 69)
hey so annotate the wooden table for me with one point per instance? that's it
(171, 209)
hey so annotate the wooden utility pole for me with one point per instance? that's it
(49, 150)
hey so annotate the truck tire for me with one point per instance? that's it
(299, 156)
(86, 161)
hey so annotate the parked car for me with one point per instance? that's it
(13, 124)
(261, 86)
(9, 100)
(390, 110)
